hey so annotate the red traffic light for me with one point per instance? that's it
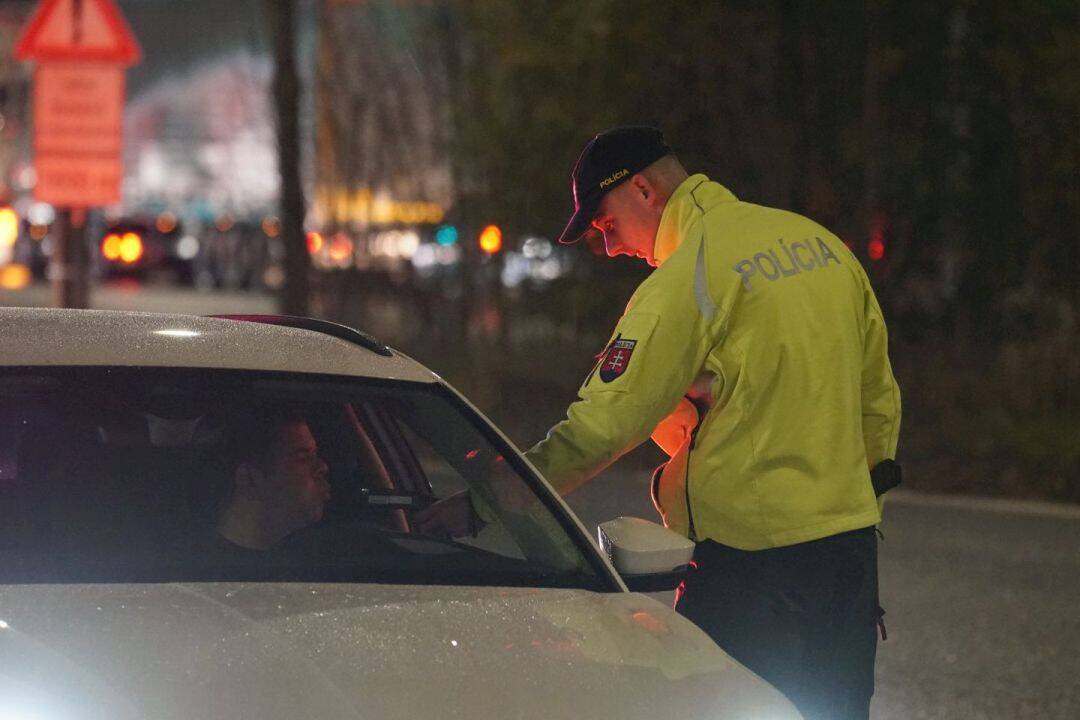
(876, 249)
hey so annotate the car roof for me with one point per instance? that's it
(54, 337)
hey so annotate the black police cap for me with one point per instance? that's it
(609, 159)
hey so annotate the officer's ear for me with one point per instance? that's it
(644, 189)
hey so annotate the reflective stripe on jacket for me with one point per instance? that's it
(804, 400)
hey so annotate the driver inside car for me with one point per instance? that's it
(278, 483)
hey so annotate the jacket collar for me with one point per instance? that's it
(694, 196)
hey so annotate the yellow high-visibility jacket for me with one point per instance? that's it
(804, 400)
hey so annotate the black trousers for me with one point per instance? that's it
(803, 617)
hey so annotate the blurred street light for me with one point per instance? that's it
(491, 239)
(341, 250)
(166, 222)
(14, 276)
(271, 226)
(9, 233)
(446, 235)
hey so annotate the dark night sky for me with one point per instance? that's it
(178, 36)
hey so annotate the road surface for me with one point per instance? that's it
(983, 603)
(982, 600)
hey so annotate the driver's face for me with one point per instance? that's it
(297, 476)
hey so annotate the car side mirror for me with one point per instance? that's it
(649, 557)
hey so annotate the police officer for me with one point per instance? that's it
(776, 485)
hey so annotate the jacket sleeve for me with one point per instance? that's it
(671, 432)
(880, 393)
(664, 340)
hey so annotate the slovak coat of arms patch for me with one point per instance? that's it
(617, 359)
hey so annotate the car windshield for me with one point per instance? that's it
(114, 475)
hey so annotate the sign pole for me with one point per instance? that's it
(68, 269)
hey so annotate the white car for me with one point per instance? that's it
(140, 574)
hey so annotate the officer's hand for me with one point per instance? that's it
(700, 392)
(450, 517)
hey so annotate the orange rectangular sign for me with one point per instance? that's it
(78, 133)
(78, 182)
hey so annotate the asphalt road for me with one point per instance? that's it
(982, 600)
(983, 603)
(983, 597)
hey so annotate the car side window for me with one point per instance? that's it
(445, 481)
(164, 474)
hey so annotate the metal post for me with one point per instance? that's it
(68, 265)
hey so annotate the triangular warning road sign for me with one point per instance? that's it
(78, 30)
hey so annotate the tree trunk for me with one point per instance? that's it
(286, 91)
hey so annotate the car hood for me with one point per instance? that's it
(272, 651)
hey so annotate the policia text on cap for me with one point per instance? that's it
(774, 483)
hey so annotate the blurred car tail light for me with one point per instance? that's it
(110, 247)
(126, 248)
(14, 277)
(131, 248)
(341, 250)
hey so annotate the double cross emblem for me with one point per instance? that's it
(616, 358)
